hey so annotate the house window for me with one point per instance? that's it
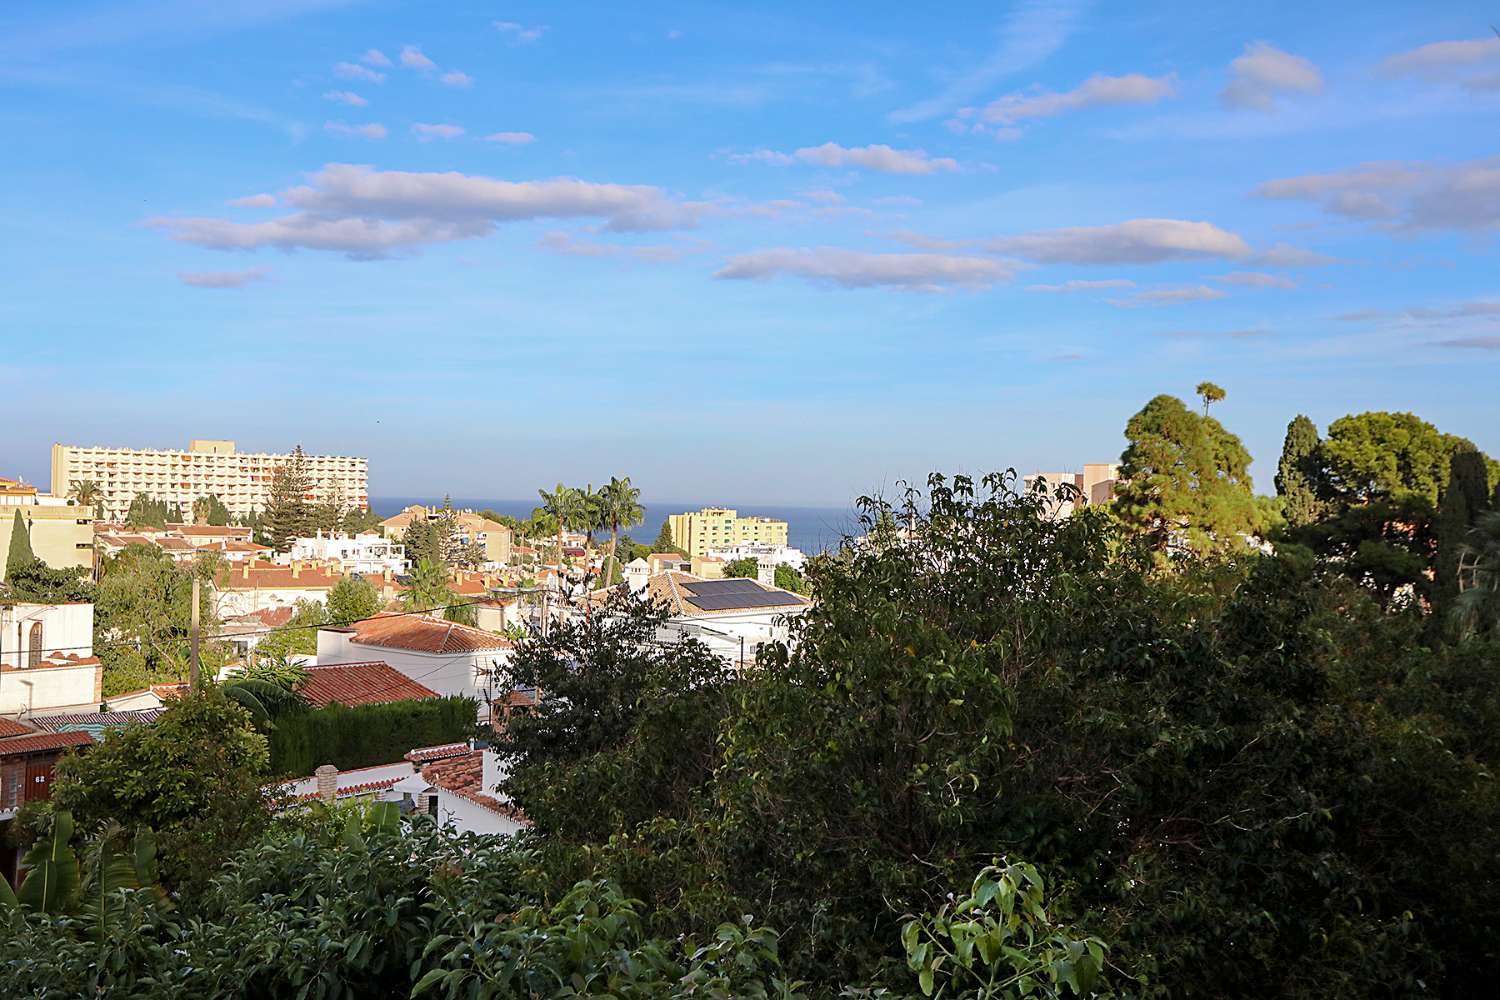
(34, 655)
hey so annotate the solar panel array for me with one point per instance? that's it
(746, 599)
(707, 588)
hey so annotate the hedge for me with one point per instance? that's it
(366, 735)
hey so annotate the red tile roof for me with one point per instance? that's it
(266, 576)
(37, 742)
(464, 777)
(10, 727)
(374, 682)
(425, 755)
(424, 634)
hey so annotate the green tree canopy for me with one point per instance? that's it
(20, 556)
(352, 599)
(1185, 481)
(1209, 393)
(1299, 474)
(209, 509)
(147, 512)
(289, 514)
(1377, 454)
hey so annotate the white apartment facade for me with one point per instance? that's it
(241, 480)
(364, 553)
(776, 555)
(47, 661)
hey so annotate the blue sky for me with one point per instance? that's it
(750, 253)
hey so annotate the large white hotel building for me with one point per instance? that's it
(241, 480)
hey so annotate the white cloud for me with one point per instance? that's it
(1138, 241)
(426, 132)
(1473, 343)
(899, 201)
(1170, 296)
(367, 213)
(223, 279)
(1098, 90)
(1083, 285)
(925, 272)
(518, 33)
(673, 35)
(824, 196)
(375, 57)
(345, 97)
(354, 71)
(875, 157)
(1408, 197)
(454, 78)
(1450, 61)
(1263, 73)
(511, 138)
(1254, 279)
(412, 58)
(254, 201)
(1480, 309)
(374, 130)
(1033, 30)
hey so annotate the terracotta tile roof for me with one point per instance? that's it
(10, 727)
(425, 755)
(463, 776)
(363, 788)
(265, 576)
(37, 742)
(424, 634)
(374, 682)
(212, 531)
(59, 660)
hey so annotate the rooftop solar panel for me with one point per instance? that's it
(707, 587)
(745, 599)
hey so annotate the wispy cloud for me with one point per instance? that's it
(879, 158)
(1170, 296)
(1138, 241)
(223, 279)
(1485, 310)
(511, 138)
(1286, 255)
(253, 201)
(1264, 73)
(366, 213)
(1032, 31)
(923, 272)
(1254, 279)
(455, 78)
(1080, 285)
(375, 57)
(354, 71)
(373, 130)
(1097, 91)
(1473, 343)
(348, 97)
(427, 132)
(1410, 196)
(520, 34)
(1472, 62)
(570, 245)
(413, 58)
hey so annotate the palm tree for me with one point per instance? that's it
(86, 493)
(621, 508)
(1478, 604)
(428, 587)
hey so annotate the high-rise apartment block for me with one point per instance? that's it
(1095, 485)
(722, 528)
(241, 480)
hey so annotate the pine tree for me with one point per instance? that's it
(1298, 473)
(287, 515)
(20, 555)
(1463, 501)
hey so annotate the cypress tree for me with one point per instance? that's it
(1299, 472)
(1463, 501)
(20, 555)
(288, 515)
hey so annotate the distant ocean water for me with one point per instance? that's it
(811, 529)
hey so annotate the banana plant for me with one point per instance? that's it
(52, 878)
(55, 880)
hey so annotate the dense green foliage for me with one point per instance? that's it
(142, 617)
(148, 512)
(209, 509)
(19, 556)
(352, 599)
(36, 581)
(1299, 473)
(194, 776)
(365, 735)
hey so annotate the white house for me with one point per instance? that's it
(47, 661)
(776, 555)
(257, 586)
(445, 656)
(455, 784)
(363, 553)
(732, 617)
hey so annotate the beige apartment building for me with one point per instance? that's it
(1095, 485)
(492, 537)
(61, 533)
(241, 480)
(721, 528)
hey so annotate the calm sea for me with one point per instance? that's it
(811, 529)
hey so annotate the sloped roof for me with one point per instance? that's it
(37, 742)
(426, 755)
(10, 727)
(464, 776)
(373, 682)
(94, 724)
(424, 634)
(668, 588)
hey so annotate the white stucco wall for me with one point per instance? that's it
(67, 627)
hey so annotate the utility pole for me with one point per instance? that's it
(193, 639)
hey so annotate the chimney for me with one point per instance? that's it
(327, 777)
(296, 569)
(765, 572)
